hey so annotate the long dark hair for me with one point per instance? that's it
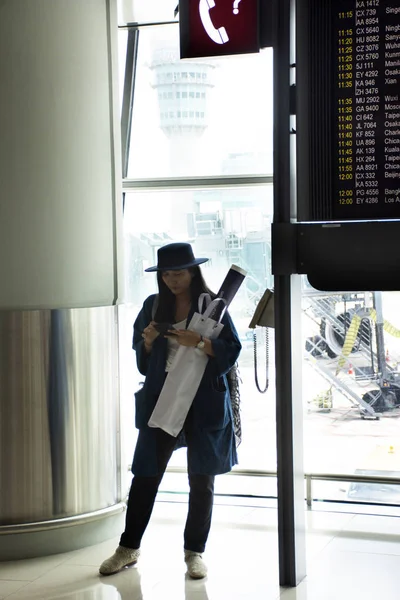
(165, 312)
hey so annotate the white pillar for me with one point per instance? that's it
(60, 224)
(60, 165)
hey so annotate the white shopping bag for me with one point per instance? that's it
(186, 372)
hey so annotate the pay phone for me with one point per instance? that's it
(263, 317)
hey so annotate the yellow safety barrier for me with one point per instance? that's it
(352, 333)
(324, 399)
(349, 341)
(388, 327)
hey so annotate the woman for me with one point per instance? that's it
(208, 429)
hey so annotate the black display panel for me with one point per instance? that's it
(348, 109)
(366, 109)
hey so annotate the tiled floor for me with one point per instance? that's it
(348, 557)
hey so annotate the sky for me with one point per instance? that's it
(240, 106)
(146, 11)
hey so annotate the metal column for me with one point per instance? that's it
(289, 414)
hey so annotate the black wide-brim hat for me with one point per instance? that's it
(174, 257)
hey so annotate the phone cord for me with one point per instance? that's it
(262, 391)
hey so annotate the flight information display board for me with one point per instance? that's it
(366, 109)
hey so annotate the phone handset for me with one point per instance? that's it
(219, 36)
(264, 316)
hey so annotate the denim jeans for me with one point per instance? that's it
(143, 493)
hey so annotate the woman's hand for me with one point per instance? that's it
(184, 337)
(149, 334)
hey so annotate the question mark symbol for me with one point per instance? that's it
(236, 7)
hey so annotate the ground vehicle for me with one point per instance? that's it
(349, 329)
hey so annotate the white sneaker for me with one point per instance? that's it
(196, 567)
(123, 557)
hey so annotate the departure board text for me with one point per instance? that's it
(367, 109)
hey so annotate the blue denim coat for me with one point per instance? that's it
(212, 447)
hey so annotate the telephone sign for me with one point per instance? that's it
(218, 27)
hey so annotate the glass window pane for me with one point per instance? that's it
(225, 125)
(230, 226)
(144, 11)
(338, 495)
(351, 358)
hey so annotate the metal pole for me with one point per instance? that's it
(128, 96)
(309, 492)
(380, 340)
(288, 354)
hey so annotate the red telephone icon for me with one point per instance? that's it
(219, 36)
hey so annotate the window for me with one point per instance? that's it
(226, 88)
(351, 388)
(226, 129)
(146, 12)
(228, 226)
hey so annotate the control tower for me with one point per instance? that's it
(183, 88)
